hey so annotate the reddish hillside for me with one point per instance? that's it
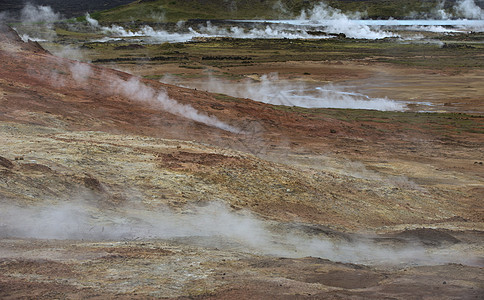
(41, 89)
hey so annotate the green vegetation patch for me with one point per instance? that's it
(238, 52)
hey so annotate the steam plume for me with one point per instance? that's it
(93, 22)
(38, 14)
(270, 89)
(468, 9)
(38, 22)
(79, 221)
(138, 91)
(80, 72)
(209, 30)
(134, 89)
(336, 21)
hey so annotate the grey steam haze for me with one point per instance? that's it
(215, 222)
(269, 88)
(320, 16)
(135, 90)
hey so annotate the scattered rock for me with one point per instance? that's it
(4, 162)
(217, 106)
(456, 46)
(429, 237)
(92, 183)
(36, 168)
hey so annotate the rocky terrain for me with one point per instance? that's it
(116, 186)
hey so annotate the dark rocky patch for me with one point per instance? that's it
(93, 183)
(428, 236)
(6, 163)
(130, 47)
(457, 46)
(221, 57)
(36, 168)
(136, 59)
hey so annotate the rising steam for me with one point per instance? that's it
(322, 18)
(80, 72)
(240, 229)
(38, 23)
(158, 36)
(136, 90)
(469, 9)
(38, 14)
(336, 21)
(270, 89)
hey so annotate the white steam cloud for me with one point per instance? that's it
(266, 32)
(270, 89)
(38, 14)
(214, 221)
(433, 28)
(38, 23)
(116, 31)
(469, 9)
(25, 37)
(93, 22)
(80, 72)
(157, 36)
(337, 22)
(323, 11)
(325, 18)
(136, 90)
(322, 18)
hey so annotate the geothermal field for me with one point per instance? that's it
(242, 149)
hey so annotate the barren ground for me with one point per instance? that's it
(383, 204)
